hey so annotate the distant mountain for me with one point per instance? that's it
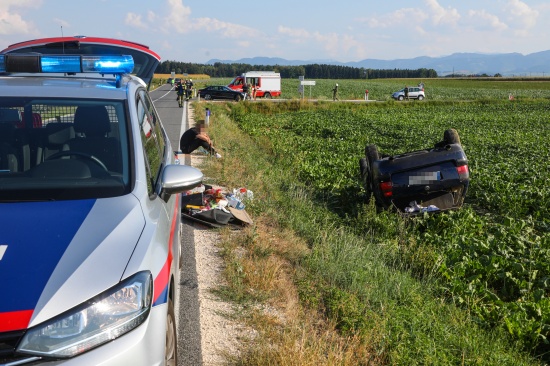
(460, 63)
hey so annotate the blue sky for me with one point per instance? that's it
(342, 30)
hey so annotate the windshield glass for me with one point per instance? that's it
(59, 149)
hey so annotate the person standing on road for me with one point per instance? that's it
(254, 88)
(180, 92)
(335, 92)
(245, 90)
(189, 89)
(196, 137)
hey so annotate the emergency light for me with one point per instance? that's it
(37, 63)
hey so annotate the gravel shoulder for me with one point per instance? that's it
(219, 334)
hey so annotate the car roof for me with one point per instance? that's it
(145, 60)
(42, 86)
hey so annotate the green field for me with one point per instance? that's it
(436, 89)
(489, 259)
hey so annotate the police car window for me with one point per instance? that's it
(153, 140)
(55, 149)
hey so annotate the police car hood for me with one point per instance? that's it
(145, 60)
(56, 255)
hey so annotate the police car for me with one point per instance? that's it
(89, 207)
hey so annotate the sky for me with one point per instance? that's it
(309, 30)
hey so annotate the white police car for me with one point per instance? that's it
(89, 207)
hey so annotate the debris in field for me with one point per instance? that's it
(415, 207)
(216, 207)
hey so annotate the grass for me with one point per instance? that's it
(319, 294)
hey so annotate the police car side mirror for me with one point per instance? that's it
(177, 179)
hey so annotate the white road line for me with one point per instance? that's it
(168, 92)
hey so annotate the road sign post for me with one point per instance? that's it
(307, 82)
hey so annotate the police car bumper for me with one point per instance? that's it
(144, 345)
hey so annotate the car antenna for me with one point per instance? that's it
(62, 43)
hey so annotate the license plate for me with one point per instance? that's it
(424, 178)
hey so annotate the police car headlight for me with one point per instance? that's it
(99, 320)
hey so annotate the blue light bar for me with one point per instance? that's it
(108, 64)
(60, 63)
(123, 64)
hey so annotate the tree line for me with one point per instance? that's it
(317, 71)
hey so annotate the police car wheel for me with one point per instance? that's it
(171, 352)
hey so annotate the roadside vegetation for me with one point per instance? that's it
(326, 280)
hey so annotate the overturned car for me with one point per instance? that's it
(433, 179)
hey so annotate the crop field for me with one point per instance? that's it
(490, 257)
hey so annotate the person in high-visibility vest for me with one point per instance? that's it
(180, 91)
(335, 92)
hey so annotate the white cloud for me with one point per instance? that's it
(134, 20)
(482, 20)
(227, 30)
(12, 22)
(62, 22)
(294, 32)
(440, 15)
(397, 18)
(522, 17)
(151, 17)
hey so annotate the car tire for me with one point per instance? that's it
(365, 178)
(238, 98)
(207, 97)
(450, 136)
(267, 95)
(400, 98)
(420, 97)
(371, 154)
(170, 346)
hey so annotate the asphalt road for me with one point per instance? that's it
(175, 122)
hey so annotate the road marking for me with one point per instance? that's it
(3, 249)
(162, 96)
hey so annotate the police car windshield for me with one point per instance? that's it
(59, 149)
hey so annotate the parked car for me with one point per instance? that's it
(90, 207)
(414, 93)
(220, 92)
(433, 179)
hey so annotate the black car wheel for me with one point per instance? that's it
(365, 178)
(267, 95)
(238, 98)
(371, 154)
(450, 136)
(207, 97)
